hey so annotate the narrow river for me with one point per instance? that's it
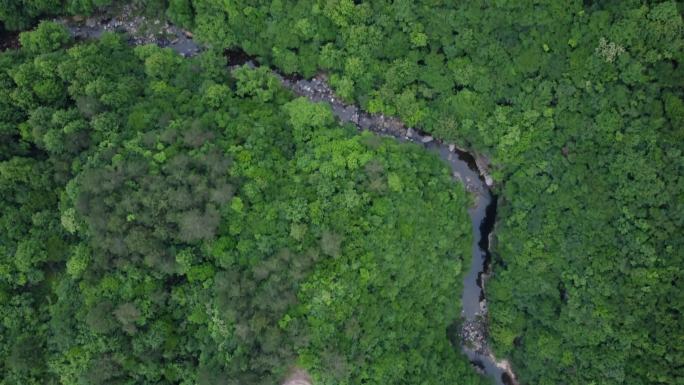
(466, 168)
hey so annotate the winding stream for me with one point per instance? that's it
(468, 169)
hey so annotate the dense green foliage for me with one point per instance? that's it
(122, 249)
(166, 223)
(579, 105)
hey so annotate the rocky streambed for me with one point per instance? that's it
(470, 169)
(139, 29)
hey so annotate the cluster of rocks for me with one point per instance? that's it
(474, 338)
(140, 30)
(318, 90)
(474, 335)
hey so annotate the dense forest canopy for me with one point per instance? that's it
(578, 104)
(164, 221)
(151, 204)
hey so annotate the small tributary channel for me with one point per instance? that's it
(469, 169)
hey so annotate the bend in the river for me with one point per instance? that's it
(465, 168)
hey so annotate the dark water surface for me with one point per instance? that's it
(8, 39)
